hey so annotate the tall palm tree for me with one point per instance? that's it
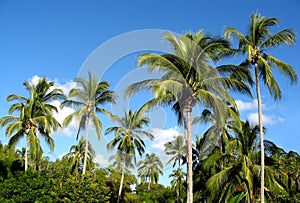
(177, 149)
(178, 175)
(122, 162)
(88, 97)
(128, 138)
(76, 154)
(149, 169)
(188, 79)
(254, 43)
(35, 116)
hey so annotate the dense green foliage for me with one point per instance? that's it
(230, 162)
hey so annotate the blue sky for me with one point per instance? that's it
(56, 38)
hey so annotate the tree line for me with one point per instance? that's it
(230, 162)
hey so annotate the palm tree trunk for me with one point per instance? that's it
(149, 187)
(178, 184)
(262, 150)
(26, 153)
(86, 145)
(221, 150)
(189, 153)
(122, 179)
(178, 192)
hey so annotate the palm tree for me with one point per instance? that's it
(89, 95)
(220, 130)
(178, 175)
(241, 168)
(76, 155)
(35, 116)
(289, 164)
(177, 149)
(257, 40)
(149, 169)
(122, 162)
(188, 79)
(118, 162)
(128, 138)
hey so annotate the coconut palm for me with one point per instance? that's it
(178, 176)
(34, 116)
(188, 79)
(128, 138)
(217, 130)
(76, 154)
(255, 43)
(241, 169)
(118, 162)
(149, 169)
(122, 162)
(177, 149)
(289, 164)
(88, 96)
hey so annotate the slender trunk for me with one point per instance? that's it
(26, 153)
(178, 184)
(262, 151)
(178, 191)
(122, 179)
(221, 150)
(86, 145)
(149, 187)
(189, 154)
(37, 159)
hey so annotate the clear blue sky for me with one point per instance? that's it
(54, 38)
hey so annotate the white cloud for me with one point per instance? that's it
(101, 159)
(66, 87)
(245, 106)
(64, 112)
(267, 119)
(249, 106)
(163, 136)
(35, 79)
(61, 115)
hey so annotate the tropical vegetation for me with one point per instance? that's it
(230, 161)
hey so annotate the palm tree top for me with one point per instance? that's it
(87, 98)
(255, 44)
(128, 133)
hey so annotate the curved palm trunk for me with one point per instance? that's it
(26, 154)
(86, 145)
(262, 150)
(187, 126)
(122, 180)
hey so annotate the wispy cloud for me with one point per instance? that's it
(246, 106)
(66, 87)
(163, 136)
(267, 119)
(61, 115)
(101, 159)
(35, 79)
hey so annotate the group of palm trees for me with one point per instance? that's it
(188, 80)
